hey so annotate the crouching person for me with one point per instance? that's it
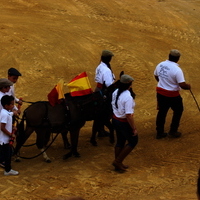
(6, 134)
(123, 108)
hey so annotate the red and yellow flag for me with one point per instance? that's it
(56, 93)
(80, 85)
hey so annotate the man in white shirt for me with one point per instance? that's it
(13, 75)
(104, 76)
(170, 80)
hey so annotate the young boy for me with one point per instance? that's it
(6, 114)
(13, 75)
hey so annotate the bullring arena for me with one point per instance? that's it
(53, 39)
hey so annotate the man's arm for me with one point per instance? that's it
(130, 120)
(156, 77)
(185, 86)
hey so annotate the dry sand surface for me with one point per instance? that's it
(52, 39)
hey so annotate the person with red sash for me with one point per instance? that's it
(104, 76)
(170, 80)
(123, 121)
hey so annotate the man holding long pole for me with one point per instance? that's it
(170, 80)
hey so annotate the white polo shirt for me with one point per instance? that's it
(5, 117)
(170, 75)
(104, 74)
(125, 104)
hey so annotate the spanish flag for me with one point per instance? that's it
(80, 85)
(56, 93)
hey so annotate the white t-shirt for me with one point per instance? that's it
(104, 74)
(125, 104)
(5, 117)
(170, 75)
(11, 92)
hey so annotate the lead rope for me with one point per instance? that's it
(195, 100)
(42, 151)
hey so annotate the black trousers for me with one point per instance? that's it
(164, 104)
(124, 133)
(6, 155)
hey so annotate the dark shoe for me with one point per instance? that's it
(118, 166)
(160, 136)
(118, 161)
(175, 134)
(117, 152)
(124, 166)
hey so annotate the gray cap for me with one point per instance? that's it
(107, 53)
(5, 82)
(175, 53)
(126, 79)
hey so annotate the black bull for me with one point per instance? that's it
(70, 115)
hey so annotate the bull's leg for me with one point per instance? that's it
(109, 125)
(74, 135)
(20, 140)
(65, 139)
(47, 159)
(95, 129)
(43, 136)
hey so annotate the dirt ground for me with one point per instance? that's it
(53, 39)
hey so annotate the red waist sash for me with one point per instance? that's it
(120, 119)
(167, 93)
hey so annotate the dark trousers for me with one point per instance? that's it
(124, 133)
(164, 104)
(6, 155)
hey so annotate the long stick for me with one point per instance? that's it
(195, 100)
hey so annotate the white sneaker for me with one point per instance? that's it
(11, 172)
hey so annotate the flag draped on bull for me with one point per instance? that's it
(80, 85)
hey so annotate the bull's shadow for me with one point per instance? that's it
(69, 116)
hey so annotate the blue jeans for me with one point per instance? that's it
(124, 133)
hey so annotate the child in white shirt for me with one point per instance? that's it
(6, 114)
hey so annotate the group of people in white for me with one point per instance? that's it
(7, 112)
(170, 80)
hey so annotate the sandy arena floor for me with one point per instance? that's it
(52, 39)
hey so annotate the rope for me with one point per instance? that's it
(42, 151)
(27, 101)
(29, 145)
(195, 100)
